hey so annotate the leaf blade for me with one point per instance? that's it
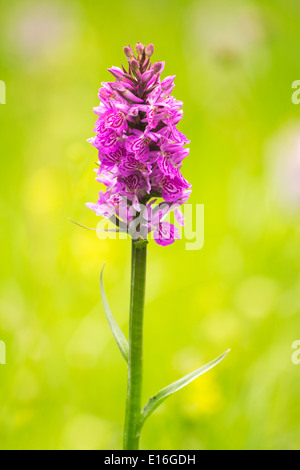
(118, 335)
(163, 394)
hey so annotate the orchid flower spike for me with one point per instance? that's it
(140, 148)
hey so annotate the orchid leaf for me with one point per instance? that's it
(116, 331)
(157, 399)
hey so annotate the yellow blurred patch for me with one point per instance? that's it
(44, 191)
(203, 396)
(86, 245)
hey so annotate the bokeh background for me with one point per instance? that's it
(64, 383)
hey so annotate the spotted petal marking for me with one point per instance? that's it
(165, 234)
(116, 121)
(109, 143)
(170, 190)
(112, 159)
(139, 146)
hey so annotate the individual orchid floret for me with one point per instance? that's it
(139, 144)
(165, 234)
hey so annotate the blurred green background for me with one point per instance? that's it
(64, 383)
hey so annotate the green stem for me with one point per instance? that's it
(135, 360)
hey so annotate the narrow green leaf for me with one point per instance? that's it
(157, 399)
(117, 333)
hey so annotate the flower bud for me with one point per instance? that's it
(128, 52)
(167, 82)
(130, 96)
(139, 49)
(158, 67)
(147, 76)
(117, 73)
(149, 50)
(117, 86)
(135, 67)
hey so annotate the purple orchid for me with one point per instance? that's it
(140, 148)
(141, 153)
